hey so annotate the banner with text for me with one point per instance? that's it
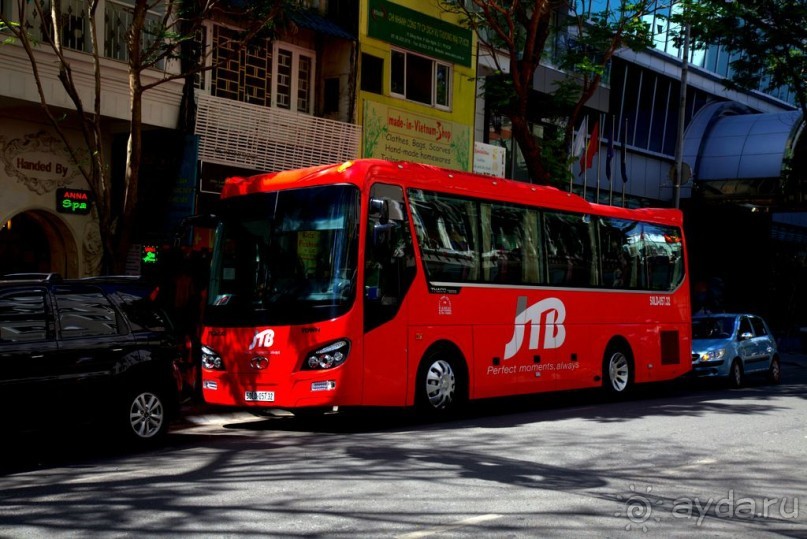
(413, 30)
(400, 135)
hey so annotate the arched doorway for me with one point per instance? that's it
(37, 241)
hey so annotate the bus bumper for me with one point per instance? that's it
(303, 393)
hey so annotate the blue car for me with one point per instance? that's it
(733, 346)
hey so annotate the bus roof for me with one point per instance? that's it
(421, 176)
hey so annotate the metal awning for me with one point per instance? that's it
(728, 143)
(316, 22)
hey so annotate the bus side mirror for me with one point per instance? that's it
(382, 233)
(379, 207)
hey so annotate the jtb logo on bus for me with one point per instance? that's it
(264, 339)
(548, 314)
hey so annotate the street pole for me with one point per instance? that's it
(682, 108)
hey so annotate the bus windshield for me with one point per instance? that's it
(286, 257)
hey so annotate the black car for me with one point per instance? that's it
(87, 351)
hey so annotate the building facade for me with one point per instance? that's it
(397, 80)
(416, 98)
(283, 102)
(743, 191)
(42, 230)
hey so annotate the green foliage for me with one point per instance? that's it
(564, 34)
(766, 39)
(556, 158)
(498, 91)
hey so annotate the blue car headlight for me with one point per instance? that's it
(713, 355)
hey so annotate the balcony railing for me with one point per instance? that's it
(270, 139)
(75, 27)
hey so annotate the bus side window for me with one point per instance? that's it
(389, 267)
(619, 259)
(569, 239)
(510, 246)
(663, 257)
(447, 237)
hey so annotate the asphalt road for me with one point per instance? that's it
(674, 460)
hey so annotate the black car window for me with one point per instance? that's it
(143, 314)
(23, 316)
(759, 327)
(745, 326)
(85, 313)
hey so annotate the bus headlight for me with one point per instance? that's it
(327, 357)
(211, 360)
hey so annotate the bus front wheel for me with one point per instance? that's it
(440, 384)
(617, 371)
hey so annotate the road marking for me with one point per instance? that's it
(459, 524)
(670, 470)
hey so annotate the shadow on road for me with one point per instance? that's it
(66, 446)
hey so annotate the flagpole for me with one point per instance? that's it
(610, 165)
(571, 161)
(571, 168)
(599, 162)
(624, 160)
(576, 146)
(583, 163)
(585, 182)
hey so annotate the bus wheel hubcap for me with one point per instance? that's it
(618, 372)
(440, 384)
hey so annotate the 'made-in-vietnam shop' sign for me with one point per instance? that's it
(400, 135)
(415, 31)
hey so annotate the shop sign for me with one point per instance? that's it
(39, 161)
(74, 201)
(397, 134)
(417, 32)
(150, 255)
(489, 159)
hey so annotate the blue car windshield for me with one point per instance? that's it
(713, 327)
(287, 257)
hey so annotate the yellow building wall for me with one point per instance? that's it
(395, 128)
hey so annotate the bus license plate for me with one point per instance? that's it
(259, 396)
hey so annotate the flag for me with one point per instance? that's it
(609, 154)
(592, 148)
(579, 140)
(624, 164)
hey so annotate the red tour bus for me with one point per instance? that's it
(376, 283)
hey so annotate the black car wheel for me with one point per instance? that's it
(736, 374)
(147, 416)
(775, 371)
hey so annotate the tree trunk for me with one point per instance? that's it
(530, 149)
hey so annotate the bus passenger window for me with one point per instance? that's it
(510, 247)
(569, 238)
(663, 256)
(619, 253)
(446, 232)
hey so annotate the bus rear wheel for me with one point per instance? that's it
(617, 371)
(440, 384)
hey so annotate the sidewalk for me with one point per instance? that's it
(198, 413)
(798, 359)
